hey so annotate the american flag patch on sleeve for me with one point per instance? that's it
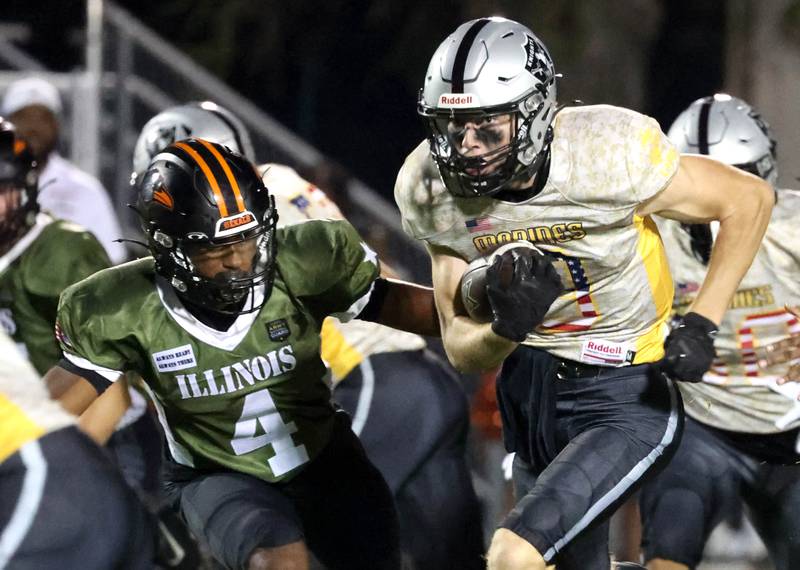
(478, 224)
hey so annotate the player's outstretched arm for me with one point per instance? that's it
(703, 190)
(470, 346)
(99, 413)
(73, 392)
(102, 417)
(408, 307)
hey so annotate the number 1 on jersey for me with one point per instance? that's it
(259, 409)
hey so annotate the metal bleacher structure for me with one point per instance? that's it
(130, 73)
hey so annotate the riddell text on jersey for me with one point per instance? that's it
(557, 233)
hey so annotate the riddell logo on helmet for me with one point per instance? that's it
(458, 100)
(235, 224)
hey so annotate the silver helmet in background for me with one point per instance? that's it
(729, 130)
(488, 68)
(205, 120)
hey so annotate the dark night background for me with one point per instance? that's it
(345, 74)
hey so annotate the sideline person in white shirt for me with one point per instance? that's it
(34, 105)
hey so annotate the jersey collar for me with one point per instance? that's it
(225, 340)
(42, 221)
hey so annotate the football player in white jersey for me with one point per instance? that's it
(579, 328)
(62, 503)
(407, 406)
(742, 426)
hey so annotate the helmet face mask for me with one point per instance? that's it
(184, 202)
(18, 186)
(487, 69)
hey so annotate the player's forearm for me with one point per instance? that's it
(409, 307)
(101, 419)
(474, 347)
(736, 245)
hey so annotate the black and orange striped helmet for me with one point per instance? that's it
(18, 185)
(196, 193)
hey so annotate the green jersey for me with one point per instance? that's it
(254, 398)
(52, 255)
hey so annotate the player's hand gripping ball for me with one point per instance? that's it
(512, 288)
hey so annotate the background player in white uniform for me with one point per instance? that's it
(62, 503)
(583, 407)
(742, 426)
(407, 406)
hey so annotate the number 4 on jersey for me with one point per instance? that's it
(259, 408)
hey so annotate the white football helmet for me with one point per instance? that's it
(729, 130)
(489, 67)
(205, 120)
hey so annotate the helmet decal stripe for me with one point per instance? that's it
(460, 61)
(228, 174)
(212, 180)
(702, 126)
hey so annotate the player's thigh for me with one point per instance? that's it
(622, 424)
(346, 508)
(700, 483)
(235, 514)
(774, 509)
(64, 505)
(561, 511)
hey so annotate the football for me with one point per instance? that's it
(473, 282)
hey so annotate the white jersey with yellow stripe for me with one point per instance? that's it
(737, 394)
(26, 410)
(344, 345)
(605, 161)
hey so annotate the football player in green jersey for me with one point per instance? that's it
(39, 256)
(408, 407)
(222, 323)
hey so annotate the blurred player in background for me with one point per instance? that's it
(407, 406)
(583, 406)
(34, 105)
(222, 324)
(62, 503)
(740, 442)
(39, 256)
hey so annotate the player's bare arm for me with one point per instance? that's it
(409, 307)
(101, 418)
(704, 190)
(99, 413)
(470, 346)
(74, 392)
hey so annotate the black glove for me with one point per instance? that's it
(689, 348)
(521, 284)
